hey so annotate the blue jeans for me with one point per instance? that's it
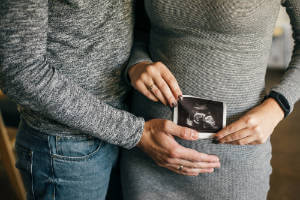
(63, 167)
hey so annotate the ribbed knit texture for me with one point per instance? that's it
(61, 61)
(216, 49)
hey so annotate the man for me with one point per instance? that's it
(60, 61)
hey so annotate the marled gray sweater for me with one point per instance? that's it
(61, 62)
(216, 49)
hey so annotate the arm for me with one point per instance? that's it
(139, 51)
(258, 124)
(28, 78)
(152, 79)
(289, 86)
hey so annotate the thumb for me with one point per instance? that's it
(182, 132)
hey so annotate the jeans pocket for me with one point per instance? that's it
(24, 165)
(24, 158)
(76, 148)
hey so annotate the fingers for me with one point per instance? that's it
(165, 90)
(169, 78)
(176, 170)
(234, 127)
(190, 168)
(158, 80)
(140, 86)
(172, 82)
(146, 86)
(201, 165)
(182, 152)
(189, 171)
(236, 136)
(251, 140)
(193, 155)
(166, 152)
(167, 84)
(252, 128)
(158, 94)
(179, 131)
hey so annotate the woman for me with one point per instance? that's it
(216, 50)
(60, 61)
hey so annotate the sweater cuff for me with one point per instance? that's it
(281, 101)
(137, 135)
(290, 99)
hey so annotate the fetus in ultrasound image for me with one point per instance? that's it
(201, 114)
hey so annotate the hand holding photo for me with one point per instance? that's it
(205, 116)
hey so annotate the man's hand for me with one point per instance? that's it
(159, 143)
(254, 127)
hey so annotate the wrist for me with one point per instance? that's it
(281, 101)
(140, 144)
(273, 106)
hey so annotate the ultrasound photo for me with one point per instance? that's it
(205, 116)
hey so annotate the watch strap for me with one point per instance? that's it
(281, 100)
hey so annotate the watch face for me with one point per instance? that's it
(201, 114)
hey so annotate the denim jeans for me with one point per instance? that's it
(63, 167)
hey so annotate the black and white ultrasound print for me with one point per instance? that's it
(205, 116)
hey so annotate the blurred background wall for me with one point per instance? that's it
(285, 179)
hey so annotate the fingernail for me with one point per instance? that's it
(180, 97)
(215, 141)
(174, 104)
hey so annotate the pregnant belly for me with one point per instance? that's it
(238, 99)
(235, 78)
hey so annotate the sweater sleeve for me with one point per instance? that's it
(289, 86)
(27, 77)
(139, 52)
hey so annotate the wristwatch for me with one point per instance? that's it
(281, 100)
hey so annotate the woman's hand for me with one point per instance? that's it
(159, 143)
(254, 127)
(155, 81)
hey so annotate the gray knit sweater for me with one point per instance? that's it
(61, 62)
(216, 49)
(219, 50)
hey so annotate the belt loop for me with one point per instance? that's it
(52, 144)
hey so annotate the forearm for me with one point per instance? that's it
(139, 52)
(28, 78)
(290, 84)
